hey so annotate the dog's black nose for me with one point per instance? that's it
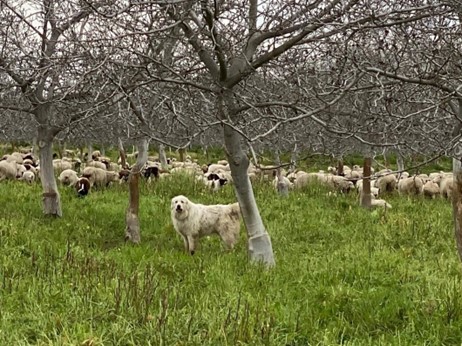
(178, 207)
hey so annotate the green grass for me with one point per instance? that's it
(343, 275)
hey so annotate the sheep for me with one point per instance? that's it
(386, 183)
(303, 179)
(8, 170)
(99, 177)
(431, 189)
(82, 187)
(68, 177)
(61, 165)
(95, 155)
(97, 164)
(374, 190)
(28, 177)
(214, 168)
(446, 186)
(380, 203)
(339, 183)
(223, 162)
(284, 180)
(411, 186)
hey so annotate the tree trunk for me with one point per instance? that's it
(90, 151)
(400, 162)
(457, 203)
(123, 157)
(182, 152)
(34, 149)
(340, 167)
(51, 198)
(365, 198)
(132, 230)
(293, 159)
(162, 156)
(259, 242)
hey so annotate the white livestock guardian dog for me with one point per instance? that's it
(193, 221)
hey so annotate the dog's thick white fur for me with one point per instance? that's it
(193, 221)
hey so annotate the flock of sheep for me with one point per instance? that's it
(99, 171)
(384, 181)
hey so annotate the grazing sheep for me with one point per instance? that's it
(61, 165)
(99, 177)
(97, 164)
(380, 203)
(304, 179)
(124, 174)
(411, 186)
(431, 189)
(9, 170)
(386, 183)
(68, 177)
(223, 162)
(215, 168)
(96, 154)
(285, 181)
(446, 186)
(82, 187)
(28, 177)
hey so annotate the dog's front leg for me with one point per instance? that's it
(191, 245)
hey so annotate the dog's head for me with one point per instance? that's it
(180, 206)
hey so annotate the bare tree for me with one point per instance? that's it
(46, 61)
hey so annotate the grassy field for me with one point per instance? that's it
(343, 276)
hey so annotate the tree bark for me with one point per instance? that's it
(457, 203)
(400, 162)
(457, 188)
(51, 197)
(365, 198)
(340, 167)
(123, 157)
(132, 230)
(162, 156)
(181, 152)
(259, 242)
(90, 151)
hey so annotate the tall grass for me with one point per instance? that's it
(343, 275)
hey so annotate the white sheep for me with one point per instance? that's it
(447, 186)
(99, 177)
(411, 186)
(97, 164)
(386, 183)
(61, 165)
(68, 177)
(8, 169)
(28, 177)
(431, 189)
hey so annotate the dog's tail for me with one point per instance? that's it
(235, 211)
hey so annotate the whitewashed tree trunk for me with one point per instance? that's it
(132, 230)
(123, 156)
(365, 198)
(259, 242)
(51, 197)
